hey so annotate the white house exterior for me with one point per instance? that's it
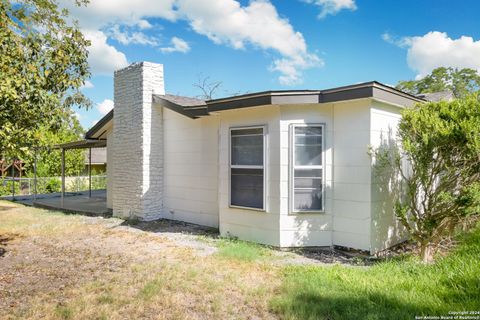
(283, 168)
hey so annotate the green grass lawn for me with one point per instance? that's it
(395, 289)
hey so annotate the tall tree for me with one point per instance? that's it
(42, 67)
(461, 82)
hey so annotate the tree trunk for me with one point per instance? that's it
(426, 252)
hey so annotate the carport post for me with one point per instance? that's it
(89, 172)
(63, 174)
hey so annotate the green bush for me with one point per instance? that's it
(6, 188)
(53, 185)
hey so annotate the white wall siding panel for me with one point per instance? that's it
(246, 224)
(191, 169)
(386, 230)
(351, 176)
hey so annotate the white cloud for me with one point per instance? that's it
(258, 24)
(125, 37)
(100, 13)
(291, 68)
(87, 85)
(78, 116)
(105, 106)
(436, 49)
(103, 58)
(332, 7)
(177, 45)
(144, 24)
(399, 42)
(223, 21)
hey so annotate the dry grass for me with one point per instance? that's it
(57, 266)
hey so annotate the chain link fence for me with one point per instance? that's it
(11, 186)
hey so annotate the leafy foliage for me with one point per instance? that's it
(440, 186)
(43, 65)
(460, 82)
(49, 161)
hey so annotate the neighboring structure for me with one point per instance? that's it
(284, 168)
(11, 167)
(437, 96)
(98, 161)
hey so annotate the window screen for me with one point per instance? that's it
(247, 167)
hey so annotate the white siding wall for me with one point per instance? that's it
(386, 230)
(304, 229)
(258, 226)
(351, 174)
(191, 169)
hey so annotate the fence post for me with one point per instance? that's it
(13, 179)
(63, 175)
(34, 175)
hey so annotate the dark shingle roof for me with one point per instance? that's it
(438, 96)
(184, 101)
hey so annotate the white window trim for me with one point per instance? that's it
(264, 167)
(291, 169)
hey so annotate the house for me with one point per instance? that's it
(284, 168)
(98, 160)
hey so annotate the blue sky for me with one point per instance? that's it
(278, 44)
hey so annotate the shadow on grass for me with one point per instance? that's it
(371, 306)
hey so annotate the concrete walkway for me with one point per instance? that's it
(78, 202)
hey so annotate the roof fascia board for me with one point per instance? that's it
(254, 101)
(90, 134)
(347, 94)
(393, 97)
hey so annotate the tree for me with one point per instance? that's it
(43, 64)
(49, 161)
(440, 186)
(207, 87)
(461, 82)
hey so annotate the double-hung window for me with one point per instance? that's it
(247, 173)
(307, 168)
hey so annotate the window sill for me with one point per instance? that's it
(296, 213)
(246, 208)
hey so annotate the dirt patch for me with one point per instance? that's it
(5, 239)
(74, 267)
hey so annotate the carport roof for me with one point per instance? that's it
(83, 144)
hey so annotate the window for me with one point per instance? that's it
(307, 168)
(247, 156)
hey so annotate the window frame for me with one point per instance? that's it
(292, 168)
(264, 167)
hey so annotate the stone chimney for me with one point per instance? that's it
(137, 186)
